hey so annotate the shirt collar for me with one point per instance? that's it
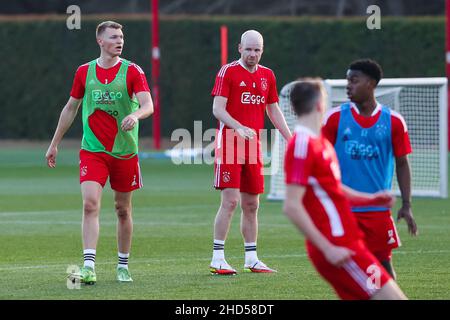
(243, 66)
(375, 111)
(300, 128)
(115, 64)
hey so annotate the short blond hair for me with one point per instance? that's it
(106, 24)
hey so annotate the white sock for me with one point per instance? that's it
(123, 260)
(89, 258)
(250, 253)
(219, 250)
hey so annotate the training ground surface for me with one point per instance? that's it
(40, 233)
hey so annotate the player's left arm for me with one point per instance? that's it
(145, 110)
(277, 118)
(402, 147)
(403, 171)
(139, 86)
(273, 109)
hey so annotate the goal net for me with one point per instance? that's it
(423, 104)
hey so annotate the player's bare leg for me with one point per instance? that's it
(122, 202)
(390, 291)
(249, 216)
(249, 230)
(229, 201)
(91, 192)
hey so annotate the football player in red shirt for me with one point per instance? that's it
(115, 97)
(243, 92)
(319, 205)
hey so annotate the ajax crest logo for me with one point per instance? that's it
(381, 131)
(226, 177)
(264, 84)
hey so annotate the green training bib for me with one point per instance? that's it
(111, 98)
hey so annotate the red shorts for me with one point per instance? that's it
(358, 279)
(238, 163)
(124, 175)
(380, 233)
(247, 178)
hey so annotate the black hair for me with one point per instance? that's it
(369, 67)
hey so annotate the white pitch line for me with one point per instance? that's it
(144, 261)
(107, 223)
(168, 223)
(156, 260)
(72, 211)
(17, 213)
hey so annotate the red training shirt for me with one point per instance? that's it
(247, 93)
(311, 161)
(136, 80)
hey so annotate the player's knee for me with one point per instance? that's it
(91, 207)
(250, 207)
(230, 204)
(123, 211)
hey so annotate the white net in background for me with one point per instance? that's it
(423, 104)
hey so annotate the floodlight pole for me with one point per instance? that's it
(155, 76)
(224, 44)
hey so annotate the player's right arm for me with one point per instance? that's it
(221, 91)
(221, 113)
(296, 212)
(66, 118)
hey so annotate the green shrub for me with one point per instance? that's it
(39, 59)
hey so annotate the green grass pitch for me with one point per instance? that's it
(40, 236)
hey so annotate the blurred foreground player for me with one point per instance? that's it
(319, 205)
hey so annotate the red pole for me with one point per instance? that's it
(447, 57)
(155, 76)
(224, 44)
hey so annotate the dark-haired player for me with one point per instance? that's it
(368, 138)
